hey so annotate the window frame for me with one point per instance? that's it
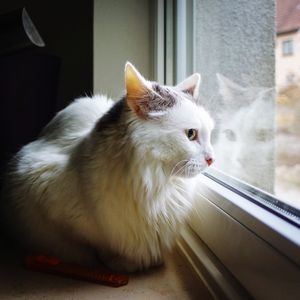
(249, 206)
(269, 239)
(287, 47)
(251, 242)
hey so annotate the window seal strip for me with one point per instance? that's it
(256, 196)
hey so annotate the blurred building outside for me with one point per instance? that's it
(287, 53)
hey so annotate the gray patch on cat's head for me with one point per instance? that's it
(158, 98)
(165, 97)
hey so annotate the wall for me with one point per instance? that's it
(67, 29)
(122, 32)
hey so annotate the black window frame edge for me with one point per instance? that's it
(262, 198)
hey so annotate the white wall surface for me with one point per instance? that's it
(122, 32)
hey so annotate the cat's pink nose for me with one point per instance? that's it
(209, 161)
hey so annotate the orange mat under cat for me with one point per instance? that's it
(55, 266)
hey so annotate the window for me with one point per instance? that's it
(287, 48)
(238, 216)
(257, 136)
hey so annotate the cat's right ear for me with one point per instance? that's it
(226, 84)
(136, 90)
(191, 85)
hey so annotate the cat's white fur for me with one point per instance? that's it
(69, 195)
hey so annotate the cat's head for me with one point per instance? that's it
(169, 128)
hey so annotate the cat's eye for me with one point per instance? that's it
(230, 135)
(192, 134)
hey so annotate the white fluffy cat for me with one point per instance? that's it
(111, 181)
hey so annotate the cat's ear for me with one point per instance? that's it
(136, 89)
(226, 84)
(267, 94)
(191, 85)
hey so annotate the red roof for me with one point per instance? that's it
(288, 15)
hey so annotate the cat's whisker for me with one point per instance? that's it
(179, 187)
(179, 170)
(182, 161)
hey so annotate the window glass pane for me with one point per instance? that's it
(287, 183)
(287, 47)
(257, 136)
